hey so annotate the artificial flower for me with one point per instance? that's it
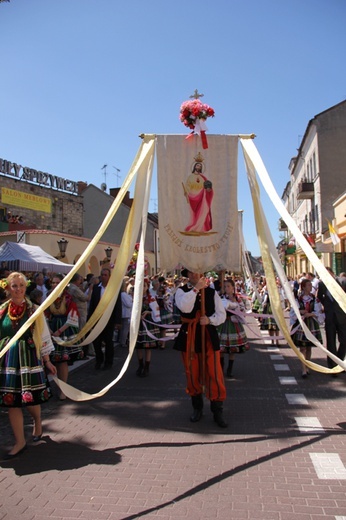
(194, 109)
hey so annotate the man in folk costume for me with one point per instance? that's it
(201, 371)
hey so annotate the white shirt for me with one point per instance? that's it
(127, 303)
(43, 289)
(185, 301)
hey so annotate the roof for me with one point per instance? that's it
(22, 257)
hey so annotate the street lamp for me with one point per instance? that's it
(62, 243)
(108, 252)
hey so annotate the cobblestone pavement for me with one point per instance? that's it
(134, 453)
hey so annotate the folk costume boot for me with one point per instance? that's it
(229, 369)
(140, 368)
(145, 371)
(197, 405)
(222, 362)
(217, 409)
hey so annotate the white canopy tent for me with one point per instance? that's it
(22, 257)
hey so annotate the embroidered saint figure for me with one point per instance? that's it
(199, 193)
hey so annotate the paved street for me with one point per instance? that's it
(134, 453)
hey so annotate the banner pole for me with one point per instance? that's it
(203, 339)
(222, 281)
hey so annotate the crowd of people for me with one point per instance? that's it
(14, 219)
(208, 312)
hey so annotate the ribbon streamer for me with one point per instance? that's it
(270, 258)
(200, 129)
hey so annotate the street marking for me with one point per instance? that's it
(276, 357)
(309, 424)
(273, 349)
(296, 399)
(288, 380)
(328, 466)
(282, 367)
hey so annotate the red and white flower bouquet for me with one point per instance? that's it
(193, 114)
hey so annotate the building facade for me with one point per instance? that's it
(317, 181)
(41, 209)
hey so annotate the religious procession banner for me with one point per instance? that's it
(198, 210)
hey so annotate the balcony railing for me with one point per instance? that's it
(305, 190)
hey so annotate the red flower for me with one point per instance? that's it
(27, 397)
(192, 110)
(44, 395)
(8, 399)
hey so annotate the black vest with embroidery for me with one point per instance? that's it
(180, 342)
(311, 303)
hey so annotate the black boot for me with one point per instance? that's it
(197, 405)
(229, 369)
(145, 371)
(222, 362)
(140, 368)
(217, 409)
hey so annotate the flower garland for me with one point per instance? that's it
(193, 114)
(3, 283)
(132, 267)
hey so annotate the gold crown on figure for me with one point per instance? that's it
(199, 157)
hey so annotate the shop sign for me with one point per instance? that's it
(25, 200)
(23, 173)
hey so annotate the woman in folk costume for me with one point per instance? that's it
(268, 323)
(256, 299)
(166, 311)
(148, 331)
(311, 311)
(23, 381)
(233, 339)
(63, 321)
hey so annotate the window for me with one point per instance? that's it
(316, 218)
(306, 224)
(314, 164)
(312, 220)
(311, 171)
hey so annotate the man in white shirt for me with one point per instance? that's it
(189, 343)
(39, 281)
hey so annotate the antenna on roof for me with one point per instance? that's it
(104, 185)
(117, 173)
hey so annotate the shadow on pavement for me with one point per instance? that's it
(61, 456)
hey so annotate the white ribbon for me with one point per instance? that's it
(200, 126)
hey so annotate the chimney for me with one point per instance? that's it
(81, 185)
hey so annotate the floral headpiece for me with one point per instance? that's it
(3, 283)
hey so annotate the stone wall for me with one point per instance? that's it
(65, 216)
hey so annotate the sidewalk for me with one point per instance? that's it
(135, 454)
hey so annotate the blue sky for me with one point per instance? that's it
(80, 80)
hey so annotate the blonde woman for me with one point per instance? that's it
(23, 381)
